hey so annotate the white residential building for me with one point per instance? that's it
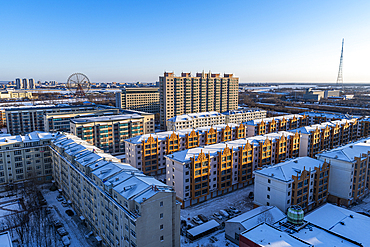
(349, 179)
(243, 115)
(301, 181)
(195, 120)
(25, 157)
(120, 205)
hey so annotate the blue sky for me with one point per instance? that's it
(128, 41)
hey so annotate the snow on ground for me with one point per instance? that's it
(238, 199)
(363, 206)
(73, 225)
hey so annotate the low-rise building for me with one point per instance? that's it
(195, 120)
(120, 205)
(55, 122)
(15, 95)
(109, 132)
(325, 136)
(147, 152)
(25, 157)
(244, 115)
(349, 179)
(281, 123)
(251, 219)
(201, 173)
(321, 117)
(302, 181)
(144, 99)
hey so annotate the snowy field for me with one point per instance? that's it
(238, 199)
(73, 225)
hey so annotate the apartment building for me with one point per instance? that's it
(119, 204)
(109, 132)
(325, 136)
(23, 120)
(195, 120)
(147, 152)
(7, 94)
(25, 157)
(2, 117)
(244, 115)
(144, 99)
(349, 171)
(205, 92)
(201, 173)
(55, 122)
(302, 181)
(281, 123)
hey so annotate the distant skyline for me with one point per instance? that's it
(129, 41)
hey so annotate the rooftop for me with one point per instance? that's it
(106, 118)
(30, 137)
(267, 120)
(284, 171)
(192, 116)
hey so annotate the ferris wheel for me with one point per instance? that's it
(78, 84)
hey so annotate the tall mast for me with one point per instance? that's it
(340, 75)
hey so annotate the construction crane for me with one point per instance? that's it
(340, 75)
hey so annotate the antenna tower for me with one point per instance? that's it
(340, 75)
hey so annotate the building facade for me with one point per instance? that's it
(281, 123)
(55, 122)
(302, 181)
(144, 99)
(147, 152)
(25, 157)
(195, 120)
(349, 172)
(244, 115)
(205, 92)
(201, 173)
(23, 120)
(109, 132)
(119, 204)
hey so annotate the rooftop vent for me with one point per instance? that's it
(342, 223)
(351, 146)
(295, 215)
(295, 161)
(351, 216)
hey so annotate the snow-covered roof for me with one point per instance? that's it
(192, 116)
(342, 221)
(328, 115)
(203, 228)
(284, 171)
(182, 133)
(242, 111)
(30, 137)
(5, 240)
(185, 155)
(348, 152)
(266, 235)
(254, 217)
(267, 120)
(311, 128)
(106, 118)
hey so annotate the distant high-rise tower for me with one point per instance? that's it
(25, 83)
(31, 83)
(340, 75)
(18, 83)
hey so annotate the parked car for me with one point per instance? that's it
(203, 218)
(196, 220)
(223, 213)
(217, 216)
(234, 210)
(64, 204)
(66, 241)
(213, 239)
(231, 213)
(62, 231)
(59, 199)
(251, 195)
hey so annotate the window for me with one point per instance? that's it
(269, 181)
(268, 196)
(161, 238)
(161, 216)
(268, 188)
(161, 227)
(161, 204)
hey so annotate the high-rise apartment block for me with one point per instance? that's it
(302, 181)
(144, 99)
(121, 206)
(25, 157)
(109, 132)
(205, 92)
(147, 152)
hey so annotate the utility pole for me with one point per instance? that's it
(340, 75)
